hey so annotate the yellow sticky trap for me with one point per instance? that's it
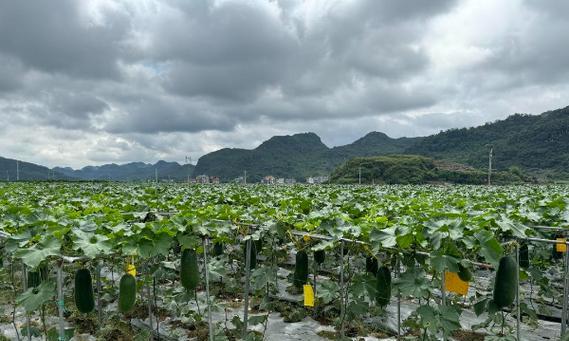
(453, 283)
(308, 295)
(131, 269)
(561, 246)
(306, 238)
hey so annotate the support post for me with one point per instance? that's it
(342, 302)
(490, 165)
(155, 307)
(99, 294)
(398, 273)
(246, 295)
(518, 309)
(565, 293)
(60, 302)
(209, 322)
(444, 296)
(25, 287)
(150, 313)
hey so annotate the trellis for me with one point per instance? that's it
(61, 260)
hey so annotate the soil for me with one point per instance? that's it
(465, 335)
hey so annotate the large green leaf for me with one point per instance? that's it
(33, 298)
(91, 244)
(34, 255)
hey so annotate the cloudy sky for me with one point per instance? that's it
(98, 81)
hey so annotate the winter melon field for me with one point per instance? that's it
(106, 261)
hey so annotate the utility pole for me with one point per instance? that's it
(17, 170)
(490, 164)
(245, 178)
(156, 174)
(7, 176)
(360, 175)
(189, 167)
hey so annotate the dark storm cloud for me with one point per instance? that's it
(540, 58)
(530, 52)
(223, 82)
(165, 114)
(51, 36)
(228, 52)
(234, 50)
(11, 73)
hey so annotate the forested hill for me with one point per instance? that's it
(134, 171)
(539, 144)
(298, 156)
(9, 169)
(415, 169)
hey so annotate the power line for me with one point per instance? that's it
(189, 167)
(490, 155)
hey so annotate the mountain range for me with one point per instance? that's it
(11, 170)
(537, 144)
(297, 156)
(134, 171)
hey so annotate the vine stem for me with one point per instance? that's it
(42, 315)
(342, 302)
(197, 303)
(15, 295)
(503, 322)
(155, 306)
(25, 287)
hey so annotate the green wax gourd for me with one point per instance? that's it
(505, 285)
(84, 297)
(464, 273)
(300, 269)
(319, 256)
(383, 286)
(189, 270)
(371, 265)
(127, 293)
(217, 249)
(524, 256)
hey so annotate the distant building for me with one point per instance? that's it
(269, 179)
(202, 179)
(317, 180)
(280, 181)
(214, 179)
(290, 181)
(239, 180)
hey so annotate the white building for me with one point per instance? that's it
(269, 179)
(202, 179)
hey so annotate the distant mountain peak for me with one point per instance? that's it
(299, 142)
(373, 136)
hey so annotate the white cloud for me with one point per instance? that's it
(106, 81)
